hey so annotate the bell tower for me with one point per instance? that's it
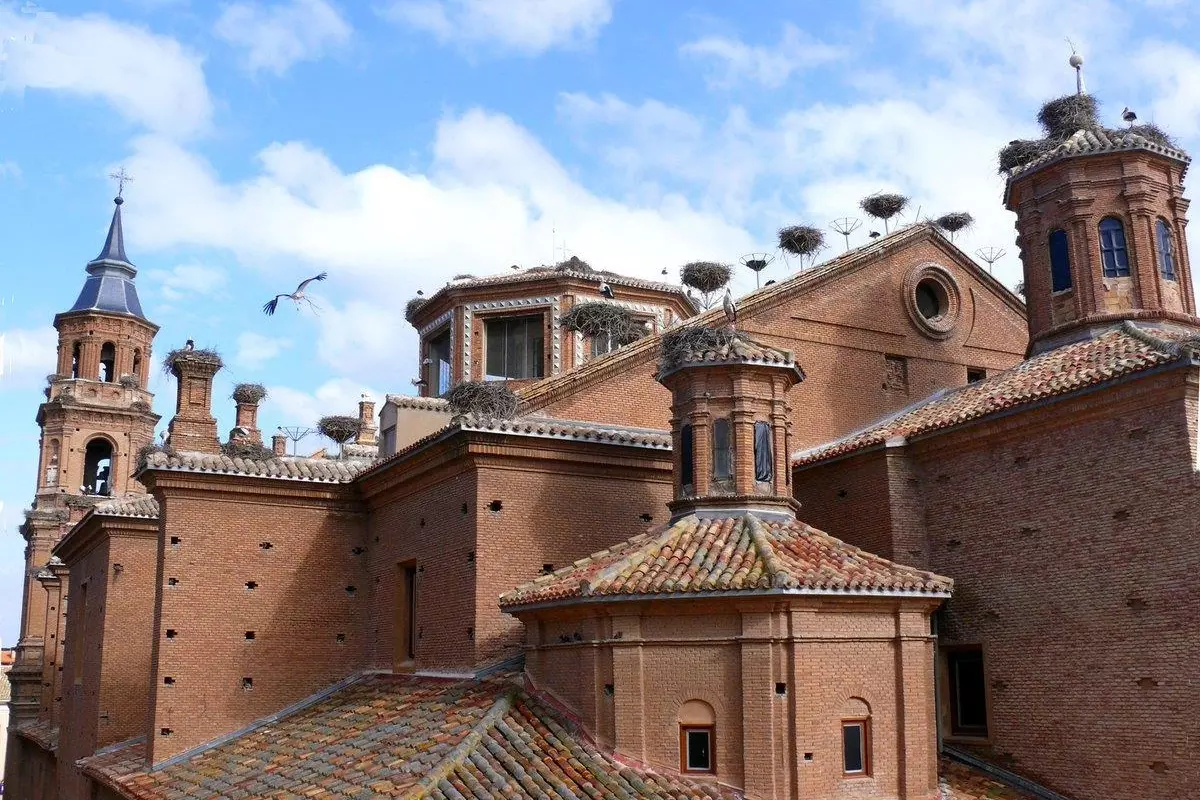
(1101, 222)
(96, 417)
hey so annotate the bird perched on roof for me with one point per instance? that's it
(296, 296)
(730, 309)
(189, 345)
(1128, 116)
(874, 234)
(606, 290)
(418, 381)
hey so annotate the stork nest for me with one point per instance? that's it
(140, 406)
(705, 276)
(542, 268)
(144, 454)
(463, 276)
(603, 319)
(1148, 130)
(679, 344)
(250, 451)
(883, 205)
(485, 398)
(1022, 151)
(128, 381)
(253, 393)
(339, 428)
(801, 240)
(955, 221)
(573, 264)
(206, 356)
(1064, 115)
(412, 307)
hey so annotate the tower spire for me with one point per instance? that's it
(1076, 62)
(114, 244)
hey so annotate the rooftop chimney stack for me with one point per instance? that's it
(193, 428)
(366, 419)
(247, 396)
(279, 445)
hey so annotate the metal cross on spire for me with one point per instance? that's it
(121, 177)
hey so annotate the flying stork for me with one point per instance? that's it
(295, 296)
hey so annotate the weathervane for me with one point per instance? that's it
(122, 178)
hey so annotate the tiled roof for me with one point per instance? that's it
(392, 736)
(737, 348)
(731, 554)
(422, 403)
(647, 348)
(42, 731)
(957, 781)
(321, 470)
(360, 451)
(135, 505)
(1093, 141)
(1123, 350)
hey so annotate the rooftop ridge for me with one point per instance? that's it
(464, 749)
(1096, 140)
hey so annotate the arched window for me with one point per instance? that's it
(764, 457)
(1060, 261)
(52, 463)
(687, 460)
(1113, 251)
(856, 738)
(75, 360)
(1166, 252)
(697, 737)
(97, 468)
(108, 362)
(137, 366)
(722, 450)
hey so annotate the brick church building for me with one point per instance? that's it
(888, 533)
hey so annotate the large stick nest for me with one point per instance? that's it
(201, 355)
(485, 398)
(679, 344)
(883, 205)
(250, 451)
(603, 319)
(129, 381)
(1022, 151)
(706, 276)
(253, 393)
(574, 264)
(801, 240)
(955, 221)
(1063, 116)
(1148, 130)
(412, 307)
(339, 428)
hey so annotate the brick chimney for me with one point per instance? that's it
(366, 419)
(247, 396)
(193, 427)
(279, 445)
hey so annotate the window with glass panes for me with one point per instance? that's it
(515, 347)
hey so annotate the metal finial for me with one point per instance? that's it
(121, 177)
(1076, 62)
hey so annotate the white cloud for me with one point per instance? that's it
(188, 281)
(9, 169)
(735, 61)
(1174, 73)
(151, 80)
(275, 37)
(526, 26)
(286, 406)
(254, 349)
(27, 356)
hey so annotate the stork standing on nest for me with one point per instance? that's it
(296, 296)
(730, 310)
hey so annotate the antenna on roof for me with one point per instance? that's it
(295, 433)
(846, 226)
(757, 262)
(1076, 62)
(990, 255)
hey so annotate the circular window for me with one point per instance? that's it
(932, 300)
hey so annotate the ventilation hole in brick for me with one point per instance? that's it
(1029, 531)
(1137, 433)
(170, 633)
(646, 518)
(422, 522)
(841, 493)
(1136, 603)
(608, 690)
(421, 633)
(471, 557)
(808, 756)
(341, 638)
(1020, 461)
(247, 683)
(464, 508)
(547, 569)
(358, 551)
(420, 570)
(174, 540)
(172, 581)
(1146, 683)
(251, 585)
(1121, 514)
(351, 589)
(168, 681)
(953, 543)
(471, 634)
(495, 505)
(249, 634)
(376, 540)
(781, 688)
(1158, 766)
(165, 731)
(265, 545)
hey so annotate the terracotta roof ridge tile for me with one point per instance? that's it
(464, 749)
(1174, 348)
(777, 572)
(640, 552)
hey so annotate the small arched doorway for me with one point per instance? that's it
(97, 468)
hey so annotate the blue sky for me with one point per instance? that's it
(396, 143)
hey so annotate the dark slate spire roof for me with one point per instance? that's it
(109, 286)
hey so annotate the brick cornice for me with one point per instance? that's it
(92, 530)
